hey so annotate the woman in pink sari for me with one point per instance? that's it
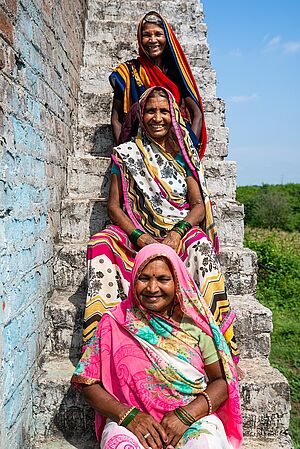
(158, 371)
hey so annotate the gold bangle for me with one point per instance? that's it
(208, 400)
(125, 415)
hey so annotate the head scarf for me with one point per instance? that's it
(143, 164)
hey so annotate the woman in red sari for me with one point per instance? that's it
(161, 62)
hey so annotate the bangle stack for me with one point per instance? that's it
(128, 417)
(185, 417)
(182, 227)
(208, 400)
(135, 235)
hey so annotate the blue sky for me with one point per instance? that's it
(255, 50)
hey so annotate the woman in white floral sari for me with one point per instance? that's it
(158, 194)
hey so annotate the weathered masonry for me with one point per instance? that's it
(55, 142)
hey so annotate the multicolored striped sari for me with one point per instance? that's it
(135, 76)
(156, 364)
(155, 198)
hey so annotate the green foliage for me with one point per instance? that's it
(278, 288)
(271, 206)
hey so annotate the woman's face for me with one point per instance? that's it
(155, 287)
(157, 118)
(154, 40)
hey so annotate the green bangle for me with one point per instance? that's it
(130, 417)
(187, 415)
(187, 224)
(182, 417)
(179, 231)
(136, 233)
(184, 225)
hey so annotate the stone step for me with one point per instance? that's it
(59, 442)
(278, 443)
(249, 443)
(64, 312)
(95, 106)
(239, 266)
(95, 79)
(103, 31)
(264, 396)
(112, 53)
(89, 177)
(97, 140)
(135, 9)
(81, 217)
(255, 320)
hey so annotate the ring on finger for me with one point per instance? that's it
(147, 435)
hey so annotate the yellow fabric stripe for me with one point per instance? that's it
(96, 304)
(123, 70)
(229, 334)
(182, 67)
(216, 283)
(144, 77)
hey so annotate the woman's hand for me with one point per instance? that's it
(240, 372)
(142, 425)
(174, 428)
(172, 240)
(144, 240)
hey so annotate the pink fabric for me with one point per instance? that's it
(138, 376)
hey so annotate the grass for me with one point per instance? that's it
(279, 288)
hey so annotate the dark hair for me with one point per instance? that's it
(158, 91)
(153, 17)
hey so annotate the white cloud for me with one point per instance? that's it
(236, 53)
(273, 43)
(242, 98)
(291, 47)
(276, 43)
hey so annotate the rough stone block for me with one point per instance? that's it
(69, 268)
(253, 326)
(114, 11)
(57, 405)
(58, 441)
(95, 140)
(89, 177)
(240, 267)
(82, 218)
(265, 397)
(229, 218)
(64, 313)
(221, 178)
(95, 109)
(283, 442)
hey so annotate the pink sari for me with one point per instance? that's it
(149, 361)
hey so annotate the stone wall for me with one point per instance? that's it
(40, 56)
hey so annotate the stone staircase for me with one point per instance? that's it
(62, 420)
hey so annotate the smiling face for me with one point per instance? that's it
(154, 41)
(155, 287)
(157, 118)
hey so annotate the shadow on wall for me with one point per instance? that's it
(73, 409)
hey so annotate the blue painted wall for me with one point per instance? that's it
(39, 65)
